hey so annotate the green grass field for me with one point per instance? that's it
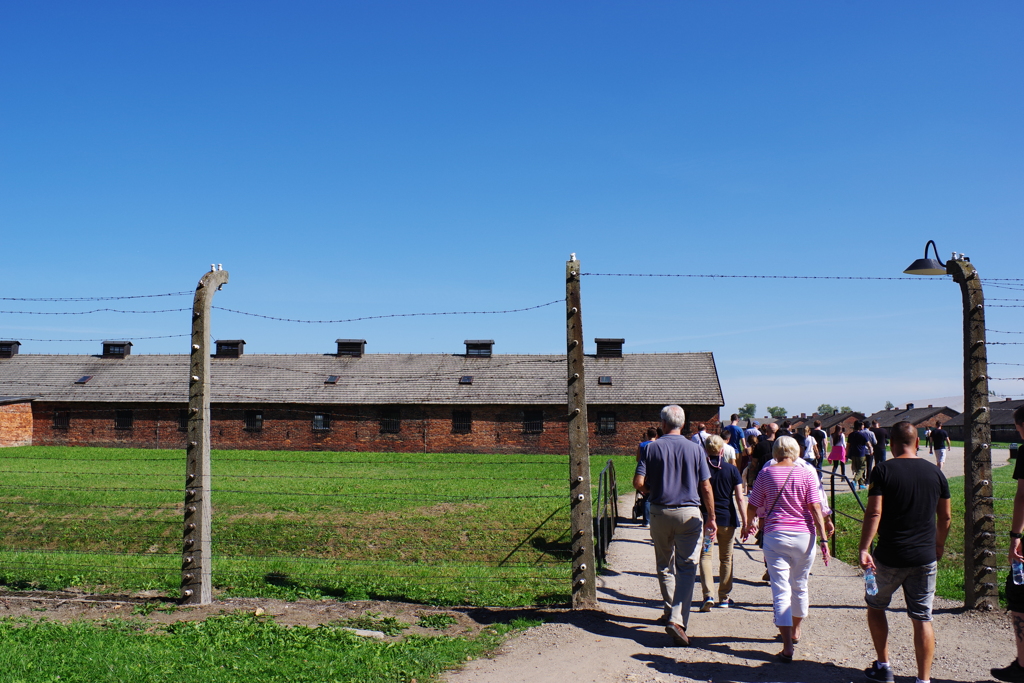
(432, 528)
(225, 649)
(950, 580)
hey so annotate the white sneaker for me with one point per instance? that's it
(726, 604)
(708, 604)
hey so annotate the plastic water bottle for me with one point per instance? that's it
(1018, 573)
(707, 544)
(870, 585)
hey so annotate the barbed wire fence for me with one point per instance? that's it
(309, 526)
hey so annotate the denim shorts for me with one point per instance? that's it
(918, 588)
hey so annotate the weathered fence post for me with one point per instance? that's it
(584, 573)
(196, 588)
(981, 589)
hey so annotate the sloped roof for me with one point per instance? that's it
(915, 416)
(1001, 413)
(637, 379)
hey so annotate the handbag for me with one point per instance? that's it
(638, 506)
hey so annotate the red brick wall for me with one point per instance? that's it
(495, 429)
(16, 424)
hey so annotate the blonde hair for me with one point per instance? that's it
(714, 444)
(785, 448)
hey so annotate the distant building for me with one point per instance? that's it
(348, 400)
(1001, 420)
(921, 418)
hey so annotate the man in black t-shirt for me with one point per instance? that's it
(939, 442)
(882, 439)
(909, 508)
(819, 436)
(1015, 593)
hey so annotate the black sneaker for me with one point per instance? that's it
(1014, 672)
(883, 674)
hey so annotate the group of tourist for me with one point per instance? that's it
(771, 490)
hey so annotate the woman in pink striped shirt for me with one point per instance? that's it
(786, 500)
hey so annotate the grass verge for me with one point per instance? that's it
(227, 648)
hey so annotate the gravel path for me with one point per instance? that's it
(623, 643)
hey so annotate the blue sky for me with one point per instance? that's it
(348, 159)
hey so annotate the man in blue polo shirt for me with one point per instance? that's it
(735, 432)
(674, 475)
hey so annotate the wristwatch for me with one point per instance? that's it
(1013, 535)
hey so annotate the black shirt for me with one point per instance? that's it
(763, 452)
(820, 436)
(940, 439)
(857, 441)
(724, 481)
(882, 437)
(911, 489)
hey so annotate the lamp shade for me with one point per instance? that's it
(926, 266)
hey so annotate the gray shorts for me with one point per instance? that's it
(940, 454)
(918, 588)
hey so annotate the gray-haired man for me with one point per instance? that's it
(673, 473)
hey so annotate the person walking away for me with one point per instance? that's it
(820, 438)
(810, 449)
(837, 456)
(673, 473)
(730, 514)
(652, 434)
(728, 452)
(882, 438)
(735, 438)
(856, 450)
(1014, 673)
(752, 429)
(909, 508)
(786, 497)
(746, 462)
(701, 437)
(940, 443)
(869, 457)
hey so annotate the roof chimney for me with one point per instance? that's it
(229, 348)
(609, 348)
(479, 348)
(910, 406)
(116, 349)
(351, 347)
(9, 348)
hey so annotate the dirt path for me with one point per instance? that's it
(624, 644)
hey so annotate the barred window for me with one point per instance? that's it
(462, 422)
(321, 422)
(61, 419)
(183, 420)
(533, 421)
(123, 419)
(390, 421)
(253, 420)
(606, 423)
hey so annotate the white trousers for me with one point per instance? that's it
(789, 556)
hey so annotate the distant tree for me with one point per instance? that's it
(845, 409)
(889, 405)
(748, 411)
(776, 411)
(826, 409)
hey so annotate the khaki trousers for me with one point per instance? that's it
(707, 570)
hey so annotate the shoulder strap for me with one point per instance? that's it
(779, 494)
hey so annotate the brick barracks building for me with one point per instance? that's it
(472, 402)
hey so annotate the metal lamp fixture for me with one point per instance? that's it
(927, 266)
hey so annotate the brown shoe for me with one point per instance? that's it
(678, 634)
